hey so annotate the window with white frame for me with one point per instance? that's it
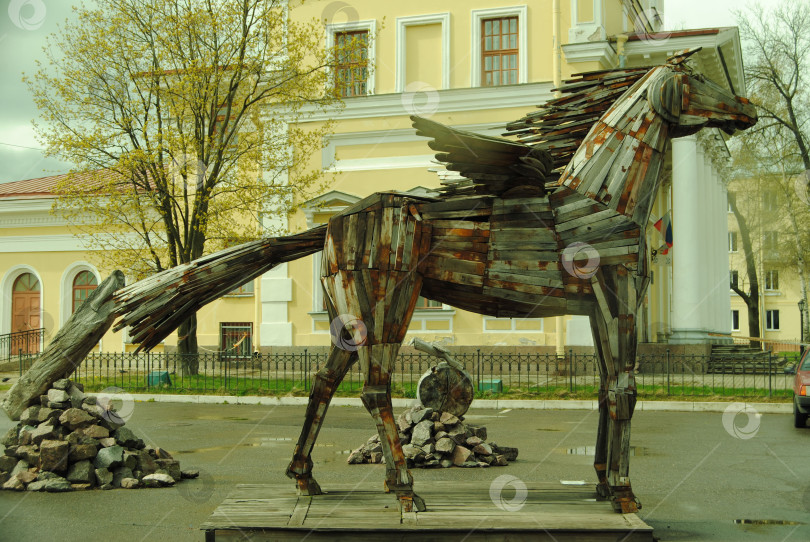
(499, 46)
(771, 279)
(732, 241)
(735, 320)
(769, 200)
(772, 320)
(731, 197)
(352, 45)
(512, 325)
(734, 277)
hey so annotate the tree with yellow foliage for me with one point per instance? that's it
(182, 118)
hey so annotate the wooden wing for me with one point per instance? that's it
(492, 165)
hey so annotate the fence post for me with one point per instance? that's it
(478, 366)
(306, 370)
(770, 374)
(20, 360)
(668, 372)
(571, 370)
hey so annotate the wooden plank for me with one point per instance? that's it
(299, 513)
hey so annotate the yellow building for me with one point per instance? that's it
(766, 204)
(473, 65)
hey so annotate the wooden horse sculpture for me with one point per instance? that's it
(514, 239)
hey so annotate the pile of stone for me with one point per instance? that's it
(73, 441)
(433, 439)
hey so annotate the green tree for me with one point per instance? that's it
(182, 118)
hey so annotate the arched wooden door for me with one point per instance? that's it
(25, 308)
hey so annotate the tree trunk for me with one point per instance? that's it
(69, 347)
(187, 346)
(751, 299)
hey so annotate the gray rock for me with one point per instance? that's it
(93, 409)
(30, 415)
(482, 449)
(376, 457)
(7, 463)
(26, 476)
(58, 406)
(130, 483)
(188, 474)
(446, 463)
(11, 451)
(81, 487)
(510, 453)
(104, 478)
(119, 474)
(52, 485)
(45, 431)
(171, 466)
(107, 442)
(146, 463)
(421, 432)
(79, 452)
(473, 441)
(157, 480)
(428, 448)
(163, 454)
(356, 457)
(14, 484)
(26, 435)
(11, 438)
(125, 437)
(89, 400)
(448, 419)
(61, 384)
(53, 455)
(94, 431)
(438, 426)
(459, 434)
(500, 460)
(440, 435)
(413, 452)
(488, 459)
(79, 385)
(76, 395)
(445, 445)
(109, 458)
(131, 459)
(47, 475)
(29, 453)
(58, 396)
(419, 415)
(403, 424)
(81, 472)
(73, 418)
(461, 455)
(480, 432)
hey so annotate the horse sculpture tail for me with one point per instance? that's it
(156, 306)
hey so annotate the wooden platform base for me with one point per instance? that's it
(456, 511)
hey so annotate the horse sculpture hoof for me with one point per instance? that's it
(625, 502)
(412, 503)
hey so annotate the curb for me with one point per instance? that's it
(478, 404)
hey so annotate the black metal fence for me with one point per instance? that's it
(21, 343)
(505, 375)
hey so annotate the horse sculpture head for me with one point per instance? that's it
(689, 101)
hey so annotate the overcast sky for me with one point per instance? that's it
(25, 23)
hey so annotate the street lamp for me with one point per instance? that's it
(802, 307)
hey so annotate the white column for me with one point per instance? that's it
(688, 271)
(724, 298)
(710, 242)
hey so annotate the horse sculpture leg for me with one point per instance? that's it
(600, 452)
(616, 296)
(326, 382)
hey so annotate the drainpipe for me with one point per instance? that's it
(621, 40)
(556, 55)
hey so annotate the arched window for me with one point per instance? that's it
(84, 283)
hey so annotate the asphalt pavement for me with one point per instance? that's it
(699, 475)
